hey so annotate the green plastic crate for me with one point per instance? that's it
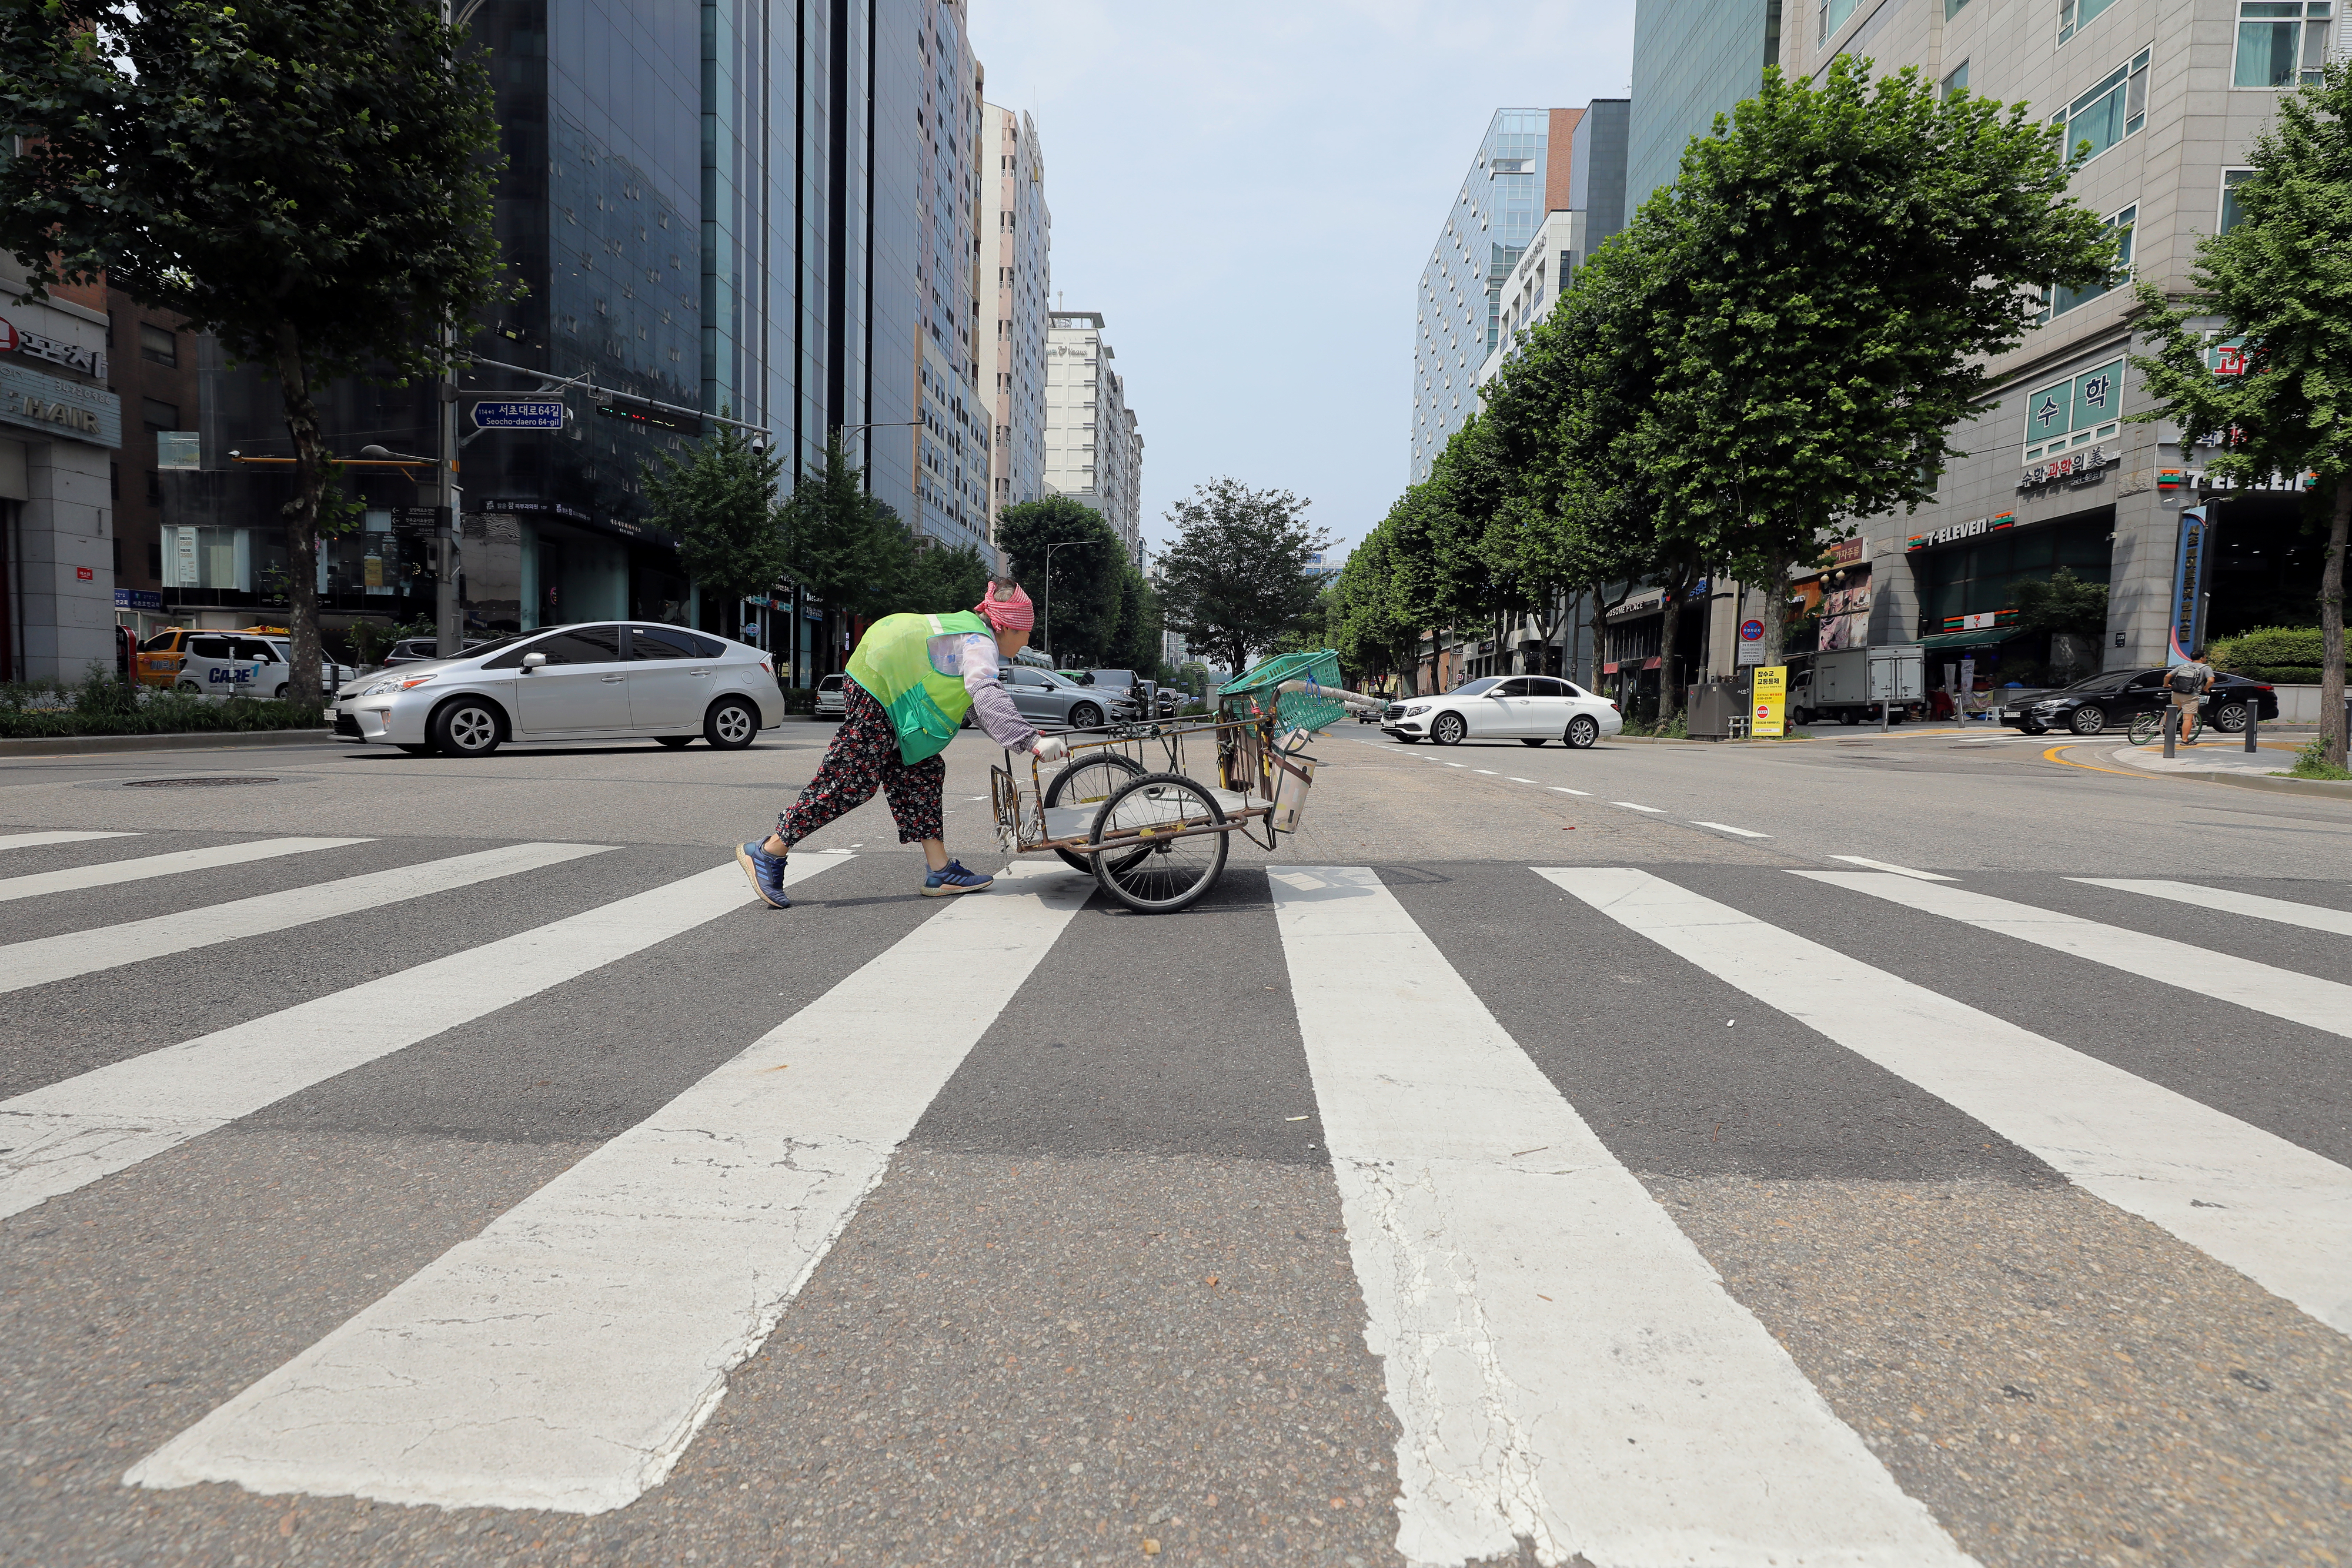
(1254, 695)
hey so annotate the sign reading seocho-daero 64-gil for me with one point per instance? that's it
(519, 414)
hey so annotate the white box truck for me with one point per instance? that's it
(1849, 684)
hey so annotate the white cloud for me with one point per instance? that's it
(1247, 191)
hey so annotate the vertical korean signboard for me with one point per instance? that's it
(1766, 712)
(2188, 586)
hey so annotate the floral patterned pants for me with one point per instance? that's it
(863, 757)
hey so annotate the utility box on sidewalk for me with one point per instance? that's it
(1716, 706)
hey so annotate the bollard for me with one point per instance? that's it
(1881, 717)
(2172, 731)
(2253, 720)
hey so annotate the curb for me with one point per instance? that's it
(82, 745)
(2327, 789)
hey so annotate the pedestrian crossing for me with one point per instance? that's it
(1565, 1365)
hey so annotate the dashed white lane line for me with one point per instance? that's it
(1629, 804)
(1519, 780)
(1566, 790)
(1897, 869)
(1727, 828)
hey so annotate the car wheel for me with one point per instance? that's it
(2231, 718)
(1848, 716)
(279, 694)
(1533, 739)
(1085, 716)
(674, 741)
(1449, 730)
(1582, 731)
(189, 686)
(731, 724)
(465, 726)
(2088, 719)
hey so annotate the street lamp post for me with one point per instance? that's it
(1045, 612)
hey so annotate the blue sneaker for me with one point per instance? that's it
(766, 872)
(953, 879)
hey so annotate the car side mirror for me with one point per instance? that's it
(534, 660)
(1497, 695)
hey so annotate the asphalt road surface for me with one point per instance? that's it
(1859, 1152)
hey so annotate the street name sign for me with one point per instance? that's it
(519, 414)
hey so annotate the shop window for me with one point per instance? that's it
(2115, 108)
(2057, 301)
(2231, 209)
(2076, 412)
(2282, 43)
(2074, 16)
(159, 345)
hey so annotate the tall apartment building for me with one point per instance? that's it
(2170, 95)
(1016, 240)
(1458, 319)
(1094, 450)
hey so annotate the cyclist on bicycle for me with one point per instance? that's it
(2189, 683)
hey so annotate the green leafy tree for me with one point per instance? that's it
(939, 577)
(846, 546)
(1079, 605)
(1236, 577)
(308, 181)
(1136, 644)
(1370, 636)
(2061, 602)
(2279, 282)
(722, 505)
(1821, 290)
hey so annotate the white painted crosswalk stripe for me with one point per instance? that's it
(2225, 978)
(69, 1134)
(564, 1358)
(48, 958)
(2274, 1211)
(1897, 869)
(2310, 916)
(27, 840)
(108, 873)
(1639, 1416)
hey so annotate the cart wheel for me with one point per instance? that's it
(1089, 781)
(1165, 876)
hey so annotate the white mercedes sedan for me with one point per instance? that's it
(614, 680)
(1530, 709)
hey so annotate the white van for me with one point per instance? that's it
(229, 664)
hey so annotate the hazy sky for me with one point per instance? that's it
(1247, 189)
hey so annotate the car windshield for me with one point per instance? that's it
(1060, 679)
(830, 683)
(2098, 682)
(1479, 687)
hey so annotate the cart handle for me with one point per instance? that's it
(1353, 699)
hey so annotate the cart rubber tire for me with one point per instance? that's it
(1113, 878)
(1074, 775)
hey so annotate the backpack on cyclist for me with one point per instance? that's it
(2185, 681)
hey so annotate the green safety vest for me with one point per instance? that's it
(893, 665)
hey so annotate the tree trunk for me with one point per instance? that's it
(301, 515)
(2331, 626)
(1600, 631)
(1670, 631)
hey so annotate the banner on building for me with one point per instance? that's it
(1767, 714)
(2188, 586)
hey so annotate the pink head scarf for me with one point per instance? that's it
(1006, 608)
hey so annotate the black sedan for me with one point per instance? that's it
(2108, 701)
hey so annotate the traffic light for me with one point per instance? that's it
(636, 411)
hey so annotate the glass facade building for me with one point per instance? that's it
(1692, 59)
(1458, 321)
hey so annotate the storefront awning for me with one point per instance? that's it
(1983, 639)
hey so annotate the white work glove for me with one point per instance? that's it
(1051, 748)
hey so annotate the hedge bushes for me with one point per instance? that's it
(101, 704)
(2288, 655)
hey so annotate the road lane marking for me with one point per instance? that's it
(2225, 978)
(106, 874)
(1727, 828)
(1487, 771)
(1519, 780)
(2310, 916)
(1566, 790)
(1629, 804)
(59, 957)
(1638, 1415)
(565, 1356)
(1897, 869)
(69, 1134)
(26, 840)
(2273, 1210)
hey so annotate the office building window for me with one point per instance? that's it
(1956, 79)
(2231, 210)
(2074, 16)
(2281, 43)
(159, 345)
(1954, 7)
(2058, 301)
(159, 415)
(2115, 108)
(1834, 13)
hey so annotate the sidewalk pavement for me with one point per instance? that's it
(2228, 756)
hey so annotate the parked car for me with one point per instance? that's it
(1050, 696)
(602, 681)
(228, 663)
(159, 657)
(832, 697)
(417, 650)
(2109, 700)
(1530, 709)
(1123, 689)
(1170, 699)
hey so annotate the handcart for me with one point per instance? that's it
(1129, 809)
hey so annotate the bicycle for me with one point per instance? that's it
(2149, 727)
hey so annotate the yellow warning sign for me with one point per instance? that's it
(1765, 715)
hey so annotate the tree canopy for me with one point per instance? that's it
(721, 504)
(1237, 576)
(1079, 605)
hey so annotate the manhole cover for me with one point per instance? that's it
(196, 783)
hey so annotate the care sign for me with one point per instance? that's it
(1767, 716)
(1751, 642)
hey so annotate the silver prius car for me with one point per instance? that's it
(612, 680)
